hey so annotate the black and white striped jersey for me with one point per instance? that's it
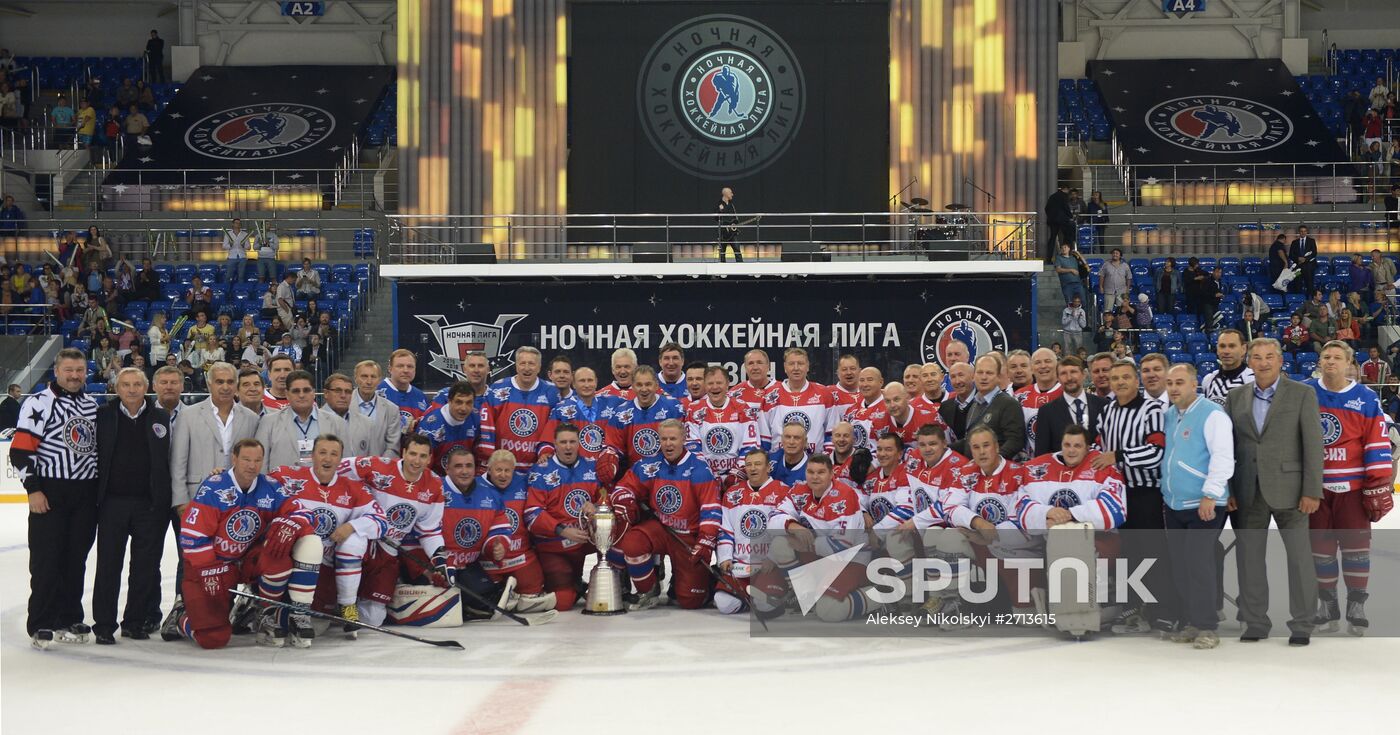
(1134, 433)
(56, 437)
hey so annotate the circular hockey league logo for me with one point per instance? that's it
(401, 516)
(1214, 124)
(991, 511)
(801, 419)
(324, 522)
(880, 507)
(922, 501)
(646, 443)
(574, 501)
(973, 326)
(466, 533)
(590, 437)
(1331, 429)
(1064, 498)
(719, 440)
(260, 131)
(753, 523)
(243, 525)
(721, 96)
(862, 433)
(668, 499)
(80, 435)
(514, 519)
(523, 422)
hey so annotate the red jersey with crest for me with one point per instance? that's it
(514, 418)
(842, 399)
(273, 403)
(1092, 496)
(556, 495)
(744, 514)
(1355, 447)
(683, 496)
(613, 390)
(722, 436)
(838, 509)
(868, 421)
(224, 520)
(1032, 399)
(929, 483)
(633, 431)
(466, 519)
(888, 497)
(923, 401)
(997, 498)
(414, 509)
(754, 398)
(811, 408)
(330, 505)
(509, 529)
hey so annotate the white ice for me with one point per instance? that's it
(676, 671)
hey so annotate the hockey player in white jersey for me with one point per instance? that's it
(745, 509)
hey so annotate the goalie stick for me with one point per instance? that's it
(338, 619)
(474, 597)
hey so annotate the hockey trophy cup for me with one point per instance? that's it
(604, 587)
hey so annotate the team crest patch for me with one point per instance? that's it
(1037, 471)
(80, 435)
(922, 501)
(973, 326)
(590, 437)
(719, 440)
(1064, 498)
(523, 422)
(401, 516)
(646, 443)
(880, 507)
(1331, 429)
(721, 96)
(991, 510)
(260, 131)
(668, 499)
(323, 522)
(466, 533)
(1218, 124)
(514, 519)
(799, 418)
(243, 525)
(753, 523)
(862, 433)
(574, 500)
(159, 430)
(735, 497)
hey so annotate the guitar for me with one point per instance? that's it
(735, 227)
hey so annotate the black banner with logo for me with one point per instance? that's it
(240, 122)
(1211, 111)
(786, 102)
(887, 322)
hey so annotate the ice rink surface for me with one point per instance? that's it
(674, 671)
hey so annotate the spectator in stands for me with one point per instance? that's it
(158, 337)
(139, 362)
(255, 353)
(275, 330)
(299, 332)
(1195, 282)
(1347, 330)
(1212, 296)
(12, 223)
(94, 280)
(1169, 284)
(1142, 313)
(1372, 128)
(285, 346)
(1076, 207)
(94, 322)
(126, 342)
(126, 94)
(9, 407)
(247, 328)
(1278, 258)
(155, 58)
(1073, 321)
(1067, 268)
(326, 330)
(92, 92)
(1059, 223)
(199, 297)
(111, 297)
(200, 330)
(1378, 94)
(147, 283)
(62, 118)
(268, 245)
(1335, 306)
(193, 378)
(269, 301)
(1392, 220)
(1353, 112)
(286, 302)
(1379, 311)
(1123, 316)
(211, 352)
(1248, 326)
(70, 252)
(1312, 307)
(236, 251)
(9, 107)
(313, 358)
(1321, 330)
(7, 298)
(86, 125)
(126, 277)
(105, 355)
(145, 97)
(308, 282)
(26, 101)
(112, 126)
(1359, 313)
(1303, 253)
(1375, 370)
(136, 125)
(1114, 279)
(1096, 215)
(1105, 334)
(53, 296)
(312, 312)
(223, 328)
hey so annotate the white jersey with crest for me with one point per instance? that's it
(414, 509)
(888, 497)
(929, 483)
(1092, 496)
(721, 435)
(811, 407)
(868, 421)
(744, 514)
(329, 506)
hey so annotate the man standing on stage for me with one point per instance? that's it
(728, 225)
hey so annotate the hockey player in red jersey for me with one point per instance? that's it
(936, 471)
(887, 494)
(757, 385)
(905, 420)
(1357, 477)
(411, 496)
(675, 491)
(589, 413)
(278, 368)
(868, 416)
(624, 363)
(632, 430)
(516, 413)
(846, 391)
(799, 401)
(1064, 487)
(743, 542)
(1044, 388)
(848, 461)
(559, 507)
(507, 550)
(720, 429)
(933, 389)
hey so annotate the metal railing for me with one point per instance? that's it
(689, 237)
(27, 319)
(200, 239)
(1238, 233)
(1251, 186)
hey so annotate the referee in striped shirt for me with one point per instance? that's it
(1131, 437)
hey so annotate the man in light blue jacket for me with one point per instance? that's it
(1200, 458)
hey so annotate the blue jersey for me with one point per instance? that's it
(515, 419)
(412, 403)
(445, 434)
(632, 432)
(678, 390)
(223, 520)
(466, 519)
(778, 469)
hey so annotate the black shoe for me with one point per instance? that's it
(152, 625)
(136, 634)
(1298, 639)
(1252, 636)
(105, 638)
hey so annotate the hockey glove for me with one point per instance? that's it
(703, 551)
(216, 581)
(281, 534)
(1378, 502)
(860, 466)
(443, 573)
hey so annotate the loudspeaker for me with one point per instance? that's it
(652, 252)
(804, 252)
(476, 253)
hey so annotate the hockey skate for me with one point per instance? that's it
(1131, 622)
(1329, 612)
(300, 631)
(170, 629)
(351, 612)
(643, 600)
(244, 615)
(950, 607)
(76, 633)
(1205, 640)
(1189, 634)
(1356, 613)
(270, 631)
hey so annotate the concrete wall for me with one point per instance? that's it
(86, 29)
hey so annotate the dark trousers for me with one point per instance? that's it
(1143, 539)
(727, 237)
(1191, 545)
(119, 519)
(1306, 277)
(59, 542)
(1251, 525)
(153, 612)
(1054, 235)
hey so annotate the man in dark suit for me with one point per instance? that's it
(1302, 252)
(1059, 221)
(9, 407)
(1074, 406)
(1392, 209)
(133, 491)
(993, 407)
(1278, 476)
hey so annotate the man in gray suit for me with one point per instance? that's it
(290, 434)
(358, 430)
(382, 413)
(1278, 475)
(992, 406)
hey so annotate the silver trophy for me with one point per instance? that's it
(604, 586)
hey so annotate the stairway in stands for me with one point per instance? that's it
(375, 338)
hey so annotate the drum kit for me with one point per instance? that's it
(927, 226)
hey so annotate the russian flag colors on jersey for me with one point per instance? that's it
(1356, 449)
(930, 482)
(838, 509)
(224, 520)
(810, 407)
(677, 390)
(1032, 399)
(632, 431)
(412, 403)
(868, 421)
(888, 497)
(842, 399)
(754, 397)
(615, 391)
(466, 518)
(414, 509)
(721, 435)
(744, 514)
(445, 433)
(683, 496)
(509, 529)
(330, 505)
(997, 498)
(1092, 496)
(556, 496)
(514, 419)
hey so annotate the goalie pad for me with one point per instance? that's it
(426, 606)
(1075, 613)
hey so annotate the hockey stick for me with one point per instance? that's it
(470, 594)
(743, 595)
(338, 619)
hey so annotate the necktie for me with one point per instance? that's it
(1079, 412)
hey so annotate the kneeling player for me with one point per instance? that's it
(562, 489)
(677, 492)
(506, 551)
(743, 545)
(926, 531)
